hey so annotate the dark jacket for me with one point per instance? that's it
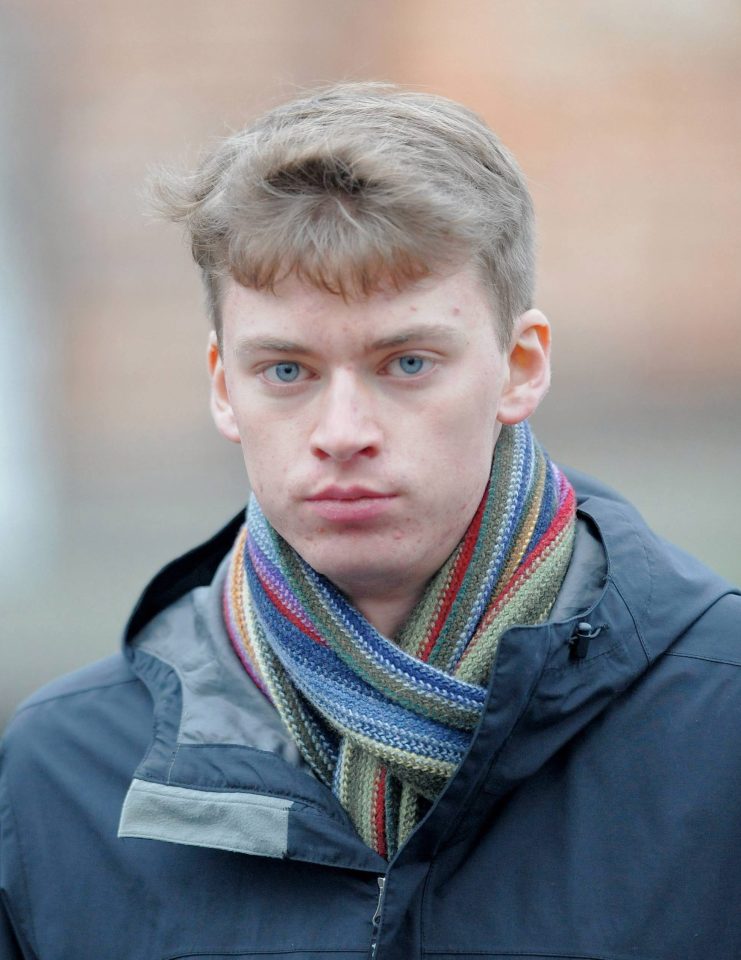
(153, 805)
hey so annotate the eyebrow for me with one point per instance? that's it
(423, 331)
(268, 344)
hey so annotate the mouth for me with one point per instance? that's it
(349, 504)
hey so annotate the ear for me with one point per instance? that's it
(221, 408)
(529, 368)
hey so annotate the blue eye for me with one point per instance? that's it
(283, 372)
(409, 365)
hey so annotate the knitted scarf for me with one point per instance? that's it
(384, 723)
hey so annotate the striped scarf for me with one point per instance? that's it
(384, 723)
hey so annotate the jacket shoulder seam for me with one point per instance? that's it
(645, 603)
(651, 585)
(698, 656)
(73, 693)
(632, 616)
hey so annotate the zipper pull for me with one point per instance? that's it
(377, 915)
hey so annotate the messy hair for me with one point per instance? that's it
(355, 187)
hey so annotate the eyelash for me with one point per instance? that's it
(426, 361)
(412, 356)
(284, 363)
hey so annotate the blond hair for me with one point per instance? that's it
(353, 187)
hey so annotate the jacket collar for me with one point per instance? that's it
(244, 795)
(196, 568)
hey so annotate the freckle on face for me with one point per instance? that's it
(436, 440)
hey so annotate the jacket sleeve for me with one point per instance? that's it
(13, 943)
(10, 949)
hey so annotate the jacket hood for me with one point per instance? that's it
(627, 597)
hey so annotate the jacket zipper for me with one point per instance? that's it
(377, 916)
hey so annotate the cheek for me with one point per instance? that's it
(455, 454)
(262, 452)
(463, 427)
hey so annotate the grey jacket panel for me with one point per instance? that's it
(594, 815)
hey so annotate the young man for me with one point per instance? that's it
(431, 698)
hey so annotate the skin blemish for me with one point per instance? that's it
(431, 447)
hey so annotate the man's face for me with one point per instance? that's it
(367, 427)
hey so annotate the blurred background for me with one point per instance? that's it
(625, 117)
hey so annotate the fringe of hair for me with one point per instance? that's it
(354, 188)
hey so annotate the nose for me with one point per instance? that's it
(347, 425)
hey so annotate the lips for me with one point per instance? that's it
(348, 493)
(354, 504)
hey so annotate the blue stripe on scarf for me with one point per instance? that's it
(407, 669)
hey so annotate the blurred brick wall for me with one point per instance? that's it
(624, 115)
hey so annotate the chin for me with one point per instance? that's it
(357, 569)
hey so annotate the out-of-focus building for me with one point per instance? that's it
(623, 114)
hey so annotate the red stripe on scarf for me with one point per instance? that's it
(556, 528)
(379, 813)
(459, 572)
(560, 520)
(290, 615)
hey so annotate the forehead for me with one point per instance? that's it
(452, 306)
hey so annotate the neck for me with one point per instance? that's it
(385, 604)
(387, 614)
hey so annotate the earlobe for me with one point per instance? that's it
(529, 368)
(221, 408)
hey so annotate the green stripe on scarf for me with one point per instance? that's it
(384, 723)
